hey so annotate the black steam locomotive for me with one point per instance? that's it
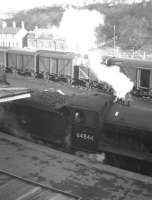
(92, 123)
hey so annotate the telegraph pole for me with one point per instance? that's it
(114, 39)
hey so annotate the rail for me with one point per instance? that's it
(13, 187)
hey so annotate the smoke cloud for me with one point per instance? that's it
(78, 28)
(112, 75)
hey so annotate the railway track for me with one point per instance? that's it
(16, 188)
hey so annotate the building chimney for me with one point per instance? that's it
(14, 24)
(22, 25)
(36, 31)
(4, 24)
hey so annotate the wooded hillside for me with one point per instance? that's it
(132, 22)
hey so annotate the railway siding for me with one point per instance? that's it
(70, 174)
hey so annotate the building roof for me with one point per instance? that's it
(130, 63)
(56, 54)
(40, 36)
(9, 30)
(84, 177)
(21, 51)
(4, 49)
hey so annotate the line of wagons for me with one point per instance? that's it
(51, 65)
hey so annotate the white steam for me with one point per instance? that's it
(78, 28)
(112, 75)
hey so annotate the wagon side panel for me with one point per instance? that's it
(68, 67)
(2, 58)
(19, 62)
(12, 60)
(43, 64)
(29, 63)
(52, 64)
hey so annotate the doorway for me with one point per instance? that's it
(143, 78)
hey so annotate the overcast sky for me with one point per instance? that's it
(15, 5)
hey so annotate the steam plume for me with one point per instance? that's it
(78, 28)
(112, 75)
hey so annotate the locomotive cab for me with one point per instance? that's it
(85, 128)
(86, 112)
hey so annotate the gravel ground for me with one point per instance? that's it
(70, 173)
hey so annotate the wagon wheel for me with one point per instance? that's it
(46, 76)
(14, 71)
(33, 74)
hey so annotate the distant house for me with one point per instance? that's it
(13, 36)
(43, 39)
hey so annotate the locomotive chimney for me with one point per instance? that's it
(36, 30)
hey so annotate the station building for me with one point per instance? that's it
(45, 40)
